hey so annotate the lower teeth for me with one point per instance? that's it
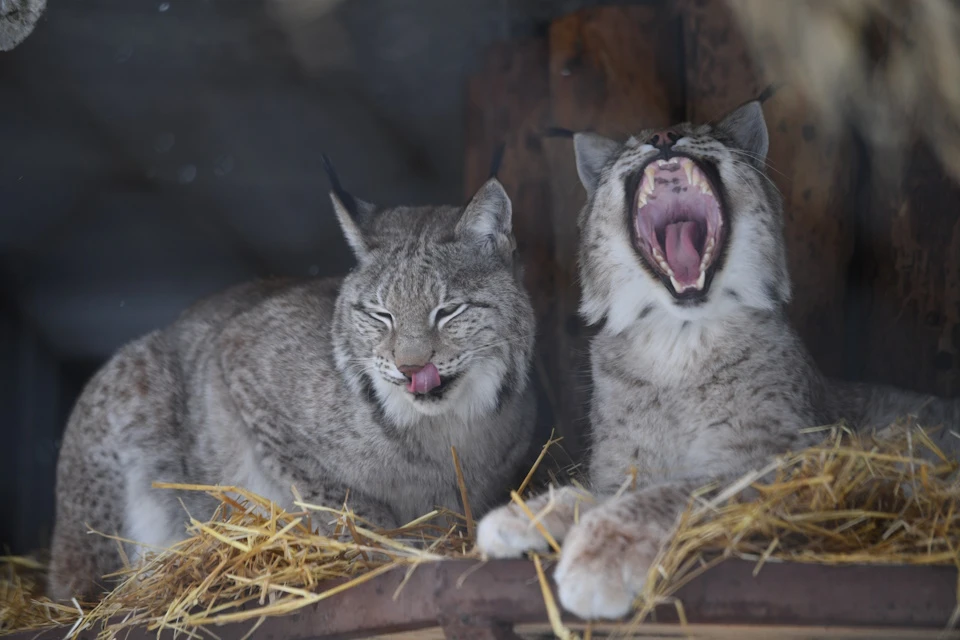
(698, 285)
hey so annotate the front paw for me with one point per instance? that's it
(604, 566)
(507, 532)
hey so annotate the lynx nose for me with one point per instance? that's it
(410, 370)
(663, 139)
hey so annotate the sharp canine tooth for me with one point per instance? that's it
(688, 169)
(701, 280)
(676, 285)
(648, 175)
(648, 186)
(641, 200)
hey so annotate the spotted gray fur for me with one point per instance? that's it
(686, 392)
(280, 383)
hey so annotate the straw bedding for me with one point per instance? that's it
(891, 497)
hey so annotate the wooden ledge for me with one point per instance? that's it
(488, 601)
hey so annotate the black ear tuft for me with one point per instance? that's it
(352, 213)
(558, 132)
(769, 92)
(348, 201)
(497, 160)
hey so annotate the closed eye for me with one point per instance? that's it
(383, 316)
(444, 314)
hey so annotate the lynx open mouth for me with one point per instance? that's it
(678, 223)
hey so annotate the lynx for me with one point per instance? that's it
(697, 374)
(347, 389)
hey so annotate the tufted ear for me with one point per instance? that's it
(488, 219)
(748, 129)
(593, 152)
(351, 213)
(350, 217)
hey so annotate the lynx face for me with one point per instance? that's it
(683, 219)
(434, 320)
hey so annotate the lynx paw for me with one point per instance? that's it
(604, 566)
(507, 533)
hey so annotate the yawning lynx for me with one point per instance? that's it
(697, 374)
(358, 385)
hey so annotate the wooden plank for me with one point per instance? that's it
(825, 601)
(653, 631)
(909, 225)
(815, 173)
(614, 70)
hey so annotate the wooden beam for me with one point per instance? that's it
(484, 601)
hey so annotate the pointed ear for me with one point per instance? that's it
(748, 129)
(593, 153)
(351, 214)
(488, 219)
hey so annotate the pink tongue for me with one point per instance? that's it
(682, 255)
(424, 380)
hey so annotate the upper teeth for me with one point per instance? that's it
(648, 175)
(695, 178)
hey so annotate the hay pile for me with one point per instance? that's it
(250, 551)
(886, 498)
(22, 581)
(253, 552)
(249, 561)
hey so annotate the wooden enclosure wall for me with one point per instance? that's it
(875, 259)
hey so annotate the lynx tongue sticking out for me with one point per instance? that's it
(681, 241)
(424, 380)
